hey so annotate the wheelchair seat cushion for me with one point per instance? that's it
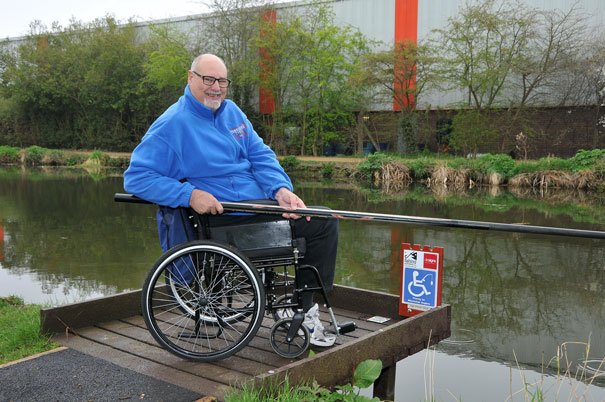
(262, 239)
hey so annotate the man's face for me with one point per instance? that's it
(209, 95)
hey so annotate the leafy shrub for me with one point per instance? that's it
(502, 164)
(471, 131)
(327, 169)
(587, 159)
(525, 167)
(54, 157)
(119, 162)
(290, 162)
(372, 164)
(9, 154)
(421, 168)
(74, 160)
(34, 155)
(99, 157)
(599, 169)
(554, 164)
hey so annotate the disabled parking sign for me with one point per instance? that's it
(421, 278)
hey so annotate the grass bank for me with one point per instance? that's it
(20, 330)
(389, 172)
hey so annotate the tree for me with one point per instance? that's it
(509, 56)
(480, 48)
(78, 87)
(399, 75)
(311, 60)
(471, 131)
(552, 49)
(230, 32)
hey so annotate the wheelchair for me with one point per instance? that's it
(204, 300)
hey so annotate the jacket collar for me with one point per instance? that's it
(199, 108)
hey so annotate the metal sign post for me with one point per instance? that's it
(421, 278)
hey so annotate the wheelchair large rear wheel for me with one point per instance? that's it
(203, 301)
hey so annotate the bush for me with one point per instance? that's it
(9, 155)
(471, 132)
(554, 164)
(98, 158)
(327, 169)
(290, 162)
(54, 157)
(587, 159)
(118, 162)
(34, 155)
(74, 159)
(372, 164)
(421, 168)
(502, 164)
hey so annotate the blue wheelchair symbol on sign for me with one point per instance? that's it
(420, 287)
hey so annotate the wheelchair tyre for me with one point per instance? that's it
(296, 347)
(203, 301)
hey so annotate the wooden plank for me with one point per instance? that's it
(159, 371)
(236, 363)
(123, 305)
(84, 314)
(367, 302)
(390, 345)
(158, 355)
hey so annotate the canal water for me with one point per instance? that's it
(528, 313)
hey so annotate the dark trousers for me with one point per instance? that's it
(321, 237)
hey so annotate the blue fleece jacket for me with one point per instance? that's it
(218, 152)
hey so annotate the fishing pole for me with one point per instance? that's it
(378, 217)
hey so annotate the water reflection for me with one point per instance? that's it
(517, 299)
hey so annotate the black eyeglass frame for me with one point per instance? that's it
(209, 80)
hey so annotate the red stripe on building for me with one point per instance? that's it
(406, 29)
(406, 20)
(266, 100)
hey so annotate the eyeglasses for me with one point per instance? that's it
(208, 80)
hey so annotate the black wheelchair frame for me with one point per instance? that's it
(205, 300)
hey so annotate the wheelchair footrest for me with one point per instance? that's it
(346, 327)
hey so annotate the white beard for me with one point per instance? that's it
(212, 104)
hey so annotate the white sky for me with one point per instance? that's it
(16, 15)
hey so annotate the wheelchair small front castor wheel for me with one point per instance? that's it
(288, 344)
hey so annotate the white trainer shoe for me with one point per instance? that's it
(319, 336)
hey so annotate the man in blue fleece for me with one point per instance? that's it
(203, 150)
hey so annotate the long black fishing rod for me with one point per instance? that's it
(377, 217)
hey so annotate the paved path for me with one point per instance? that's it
(67, 375)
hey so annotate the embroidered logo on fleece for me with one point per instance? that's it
(239, 132)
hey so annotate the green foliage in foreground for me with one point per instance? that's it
(20, 330)
(365, 374)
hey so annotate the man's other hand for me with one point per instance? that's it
(203, 202)
(288, 200)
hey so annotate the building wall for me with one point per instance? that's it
(557, 131)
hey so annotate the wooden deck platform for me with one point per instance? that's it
(112, 328)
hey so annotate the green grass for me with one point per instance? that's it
(20, 330)
(364, 375)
